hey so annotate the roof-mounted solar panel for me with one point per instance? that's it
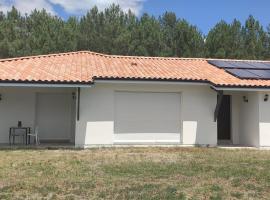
(267, 63)
(235, 64)
(240, 65)
(244, 69)
(259, 65)
(221, 64)
(263, 74)
(242, 73)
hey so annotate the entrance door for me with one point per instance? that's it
(224, 119)
(54, 112)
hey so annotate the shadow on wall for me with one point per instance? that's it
(95, 117)
(199, 133)
(198, 119)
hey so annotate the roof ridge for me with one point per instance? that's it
(125, 57)
(99, 54)
(153, 57)
(49, 55)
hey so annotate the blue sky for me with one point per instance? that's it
(203, 13)
(206, 13)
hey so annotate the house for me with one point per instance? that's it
(92, 99)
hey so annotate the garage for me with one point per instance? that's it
(147, 117)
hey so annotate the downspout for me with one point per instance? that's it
(78, 102)
(219, 101)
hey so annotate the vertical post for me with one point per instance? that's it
(78, 103)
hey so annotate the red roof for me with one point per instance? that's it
(84, 67)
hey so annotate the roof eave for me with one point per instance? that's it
(241, 88)
(56, 84)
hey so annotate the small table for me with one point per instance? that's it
(26, 129)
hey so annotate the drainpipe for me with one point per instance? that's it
(219, 100)
(78, 102)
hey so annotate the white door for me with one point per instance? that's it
(54, 116)
(144, 117)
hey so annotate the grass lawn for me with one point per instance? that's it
(135, 173)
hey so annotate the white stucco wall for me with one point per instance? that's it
(97, 115)
(15, 105)
(264, 120)
(249, 120)
(20, 104)
(244, 118)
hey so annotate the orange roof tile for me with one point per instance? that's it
(84, 67)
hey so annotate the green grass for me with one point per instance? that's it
(135, 173)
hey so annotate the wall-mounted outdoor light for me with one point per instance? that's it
(245, 99)
(266, 97)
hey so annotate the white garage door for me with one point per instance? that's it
(143, 117)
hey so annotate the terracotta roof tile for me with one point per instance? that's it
(85, 66)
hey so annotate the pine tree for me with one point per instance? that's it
(255, 39)
(189, 41)
(168, 23)
(267, 56)
(116, 32)
(217, 41)
(149, 36)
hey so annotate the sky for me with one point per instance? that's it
(202, 13)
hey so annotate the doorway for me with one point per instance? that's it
(224, 120)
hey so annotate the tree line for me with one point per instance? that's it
(113, 31)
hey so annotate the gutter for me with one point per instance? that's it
(152, 81)
(59, 84)
(241, 89)
(43, 85)
(182, 82)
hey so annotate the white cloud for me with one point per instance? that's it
(70, 6)
(26, 6)
(80, 6)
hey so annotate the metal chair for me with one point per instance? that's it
(35, 135)
(13, 135)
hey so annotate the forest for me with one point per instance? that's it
(113, 31)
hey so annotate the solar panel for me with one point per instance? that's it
(242, 73)
(240, 64)
(244, 69)
(267, 63)
(259, 65)
(263, 74)
(221, 64)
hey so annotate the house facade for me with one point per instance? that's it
(90, 99)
